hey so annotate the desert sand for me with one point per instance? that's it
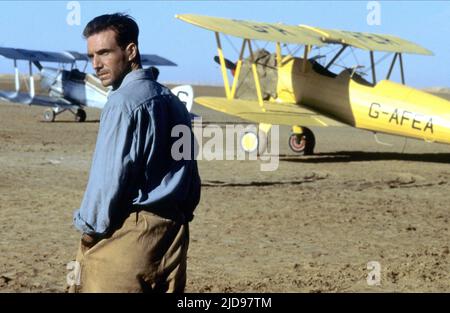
(313, 225)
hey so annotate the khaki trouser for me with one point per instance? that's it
(147, 254)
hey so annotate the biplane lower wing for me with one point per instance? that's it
(25, 98)
(273, 113)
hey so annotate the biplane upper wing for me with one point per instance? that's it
(153, 59)
(146, 59)
(274, 113)
(77, 56)
(254, 30)
(303, 34)
(368, 41)
(35, 55)
(70, 56)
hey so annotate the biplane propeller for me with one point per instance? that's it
(298, 91)
(229, 65)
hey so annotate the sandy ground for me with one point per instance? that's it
(310, 226)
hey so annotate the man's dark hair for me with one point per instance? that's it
(126, 29)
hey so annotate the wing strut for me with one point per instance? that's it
(392, 66)
(256, 77)
(231, 92)
(305, 57)
(16, 76)
(238, 69)
(336, 56)
(372, 62)
(30, 67)
(278, 52)
(401, 68)
(222, 66)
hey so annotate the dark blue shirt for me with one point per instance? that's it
(133, 167)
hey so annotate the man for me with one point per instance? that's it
(138, 201)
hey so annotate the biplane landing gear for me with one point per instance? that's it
(80, 115)
(49, 115)
(302, 140)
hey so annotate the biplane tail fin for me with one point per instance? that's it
(186, 95)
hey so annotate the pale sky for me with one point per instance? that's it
(42, 25)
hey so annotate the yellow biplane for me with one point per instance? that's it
(301, 92)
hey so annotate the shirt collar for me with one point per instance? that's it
(135, 75)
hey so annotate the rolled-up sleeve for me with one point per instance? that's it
(110, 172)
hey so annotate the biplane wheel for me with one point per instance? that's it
(303, 143)
(80, 116)
(252, 141)
(49, 115)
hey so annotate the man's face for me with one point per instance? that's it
(109, 61)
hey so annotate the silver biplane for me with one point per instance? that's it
(69, 89)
